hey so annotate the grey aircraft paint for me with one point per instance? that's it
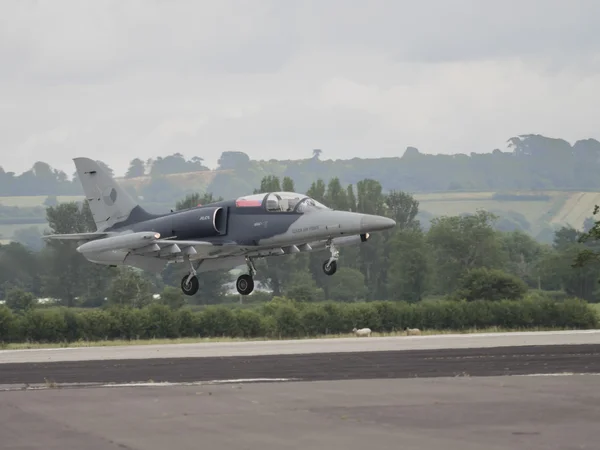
(218, 236)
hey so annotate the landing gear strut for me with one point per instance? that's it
(189, 283)
(245, 282)
(330, 266)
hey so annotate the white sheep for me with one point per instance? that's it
(413, 332)
(362, 332)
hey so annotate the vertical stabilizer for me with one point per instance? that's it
(110, 203)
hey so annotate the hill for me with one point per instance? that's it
(531, 162)
(538, 184)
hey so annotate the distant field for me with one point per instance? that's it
(563, 208)
(193, 180)
(577, 208)
(454, 196)
(35, 200)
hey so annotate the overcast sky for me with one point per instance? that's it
(114, 80)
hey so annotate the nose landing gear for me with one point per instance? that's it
(330, 265)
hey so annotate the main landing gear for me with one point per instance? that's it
(245, 282)
(189, 283)
(330, 265)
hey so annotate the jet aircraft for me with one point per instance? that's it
(217, 236)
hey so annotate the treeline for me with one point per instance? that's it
(283, 318)
(533, 162)
(408, 263)
(42, 179)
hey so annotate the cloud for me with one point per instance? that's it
(118, 80)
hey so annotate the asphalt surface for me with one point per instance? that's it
(491, 413)
(303, 346)
(314, 366)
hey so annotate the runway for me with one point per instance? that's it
(464, 392)
(491, 361)
(303, 346)
(464, 413)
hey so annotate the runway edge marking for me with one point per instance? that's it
(43, 387)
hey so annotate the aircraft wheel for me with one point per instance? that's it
(244, 284)
(329, 268)
(191, 287)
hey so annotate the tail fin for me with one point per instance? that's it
(110, 203)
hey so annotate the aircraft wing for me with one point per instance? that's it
(169, 248)
(76, 236)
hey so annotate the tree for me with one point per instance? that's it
(523, 253)
(130, 288)
(409, 268)
(172, 297)
(336, 196)
(69, 274)
(176, 163)
(137, 168)
(19, 267)
(403, 208)
(19, 300)
(490, 284)
(302, 288)
(462, 243)
(288, 185)
(233, 160)
(269, 183)
(576, 263)
(347, 285)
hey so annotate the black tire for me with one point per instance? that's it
(331, 269)
(244, 284)
(189, 288)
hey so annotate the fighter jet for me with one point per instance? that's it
(217, 236)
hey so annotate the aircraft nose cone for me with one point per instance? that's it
(376, 223)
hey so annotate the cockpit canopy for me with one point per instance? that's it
(280, 202)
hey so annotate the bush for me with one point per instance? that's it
(490, 284)
(19, 300)
(7, 323)
(284, 318)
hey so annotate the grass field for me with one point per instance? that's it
(577, 208)
(192, 180)
(31, 201)
(563, 208)
(117, 343)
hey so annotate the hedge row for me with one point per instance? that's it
(285, 318)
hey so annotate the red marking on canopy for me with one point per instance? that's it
(248, 203)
